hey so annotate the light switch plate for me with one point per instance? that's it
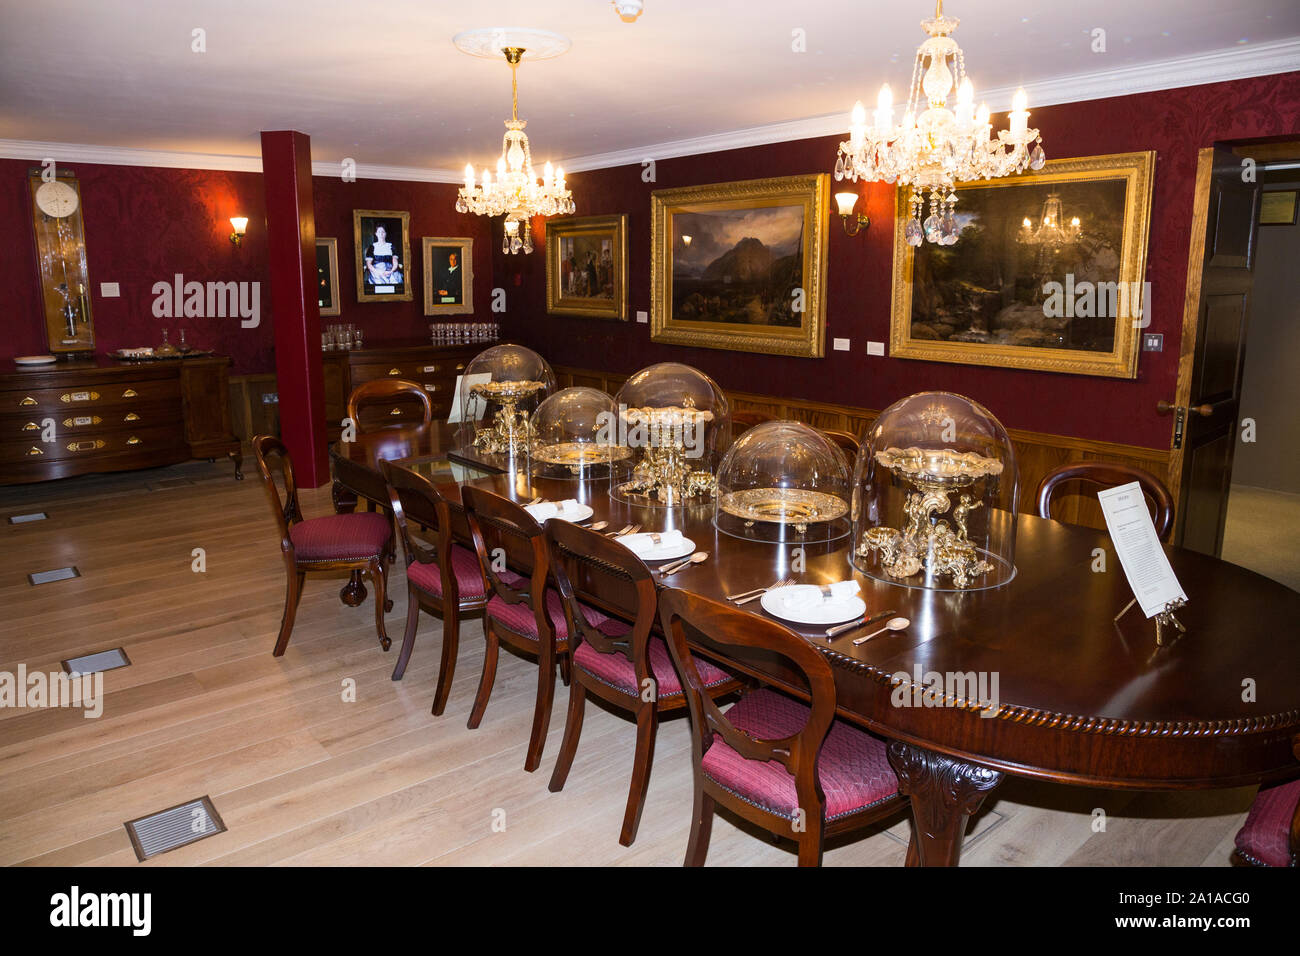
(1153, 342)
(875, 348)
(643, 317)
(109, 290)
(841, 345)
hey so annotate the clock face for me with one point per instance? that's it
(56, 199)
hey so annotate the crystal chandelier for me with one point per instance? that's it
(516, 192)
(1052, 233)
(939, 147)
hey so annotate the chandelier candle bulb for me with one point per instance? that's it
(966, 104)
(1019, 114)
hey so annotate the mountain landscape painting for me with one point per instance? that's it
(740, 266)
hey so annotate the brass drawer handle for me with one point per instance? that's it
(35, 451)
(460, 367)
(31, 427)
(131, 417)
(395, 411)
(133, 440)
(69, 397)
(86, 445)
(431, 388)
(394, 371)
(82, 420)
(130, 393)
(26, 402)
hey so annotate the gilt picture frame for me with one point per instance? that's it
(327, 276)
(741, 266)
(1015, 292)
(448, 275)
(586, 266)
(382, 246)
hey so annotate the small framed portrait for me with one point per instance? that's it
(383, 249)
(586, 266)
(448, 276)
(327, 276)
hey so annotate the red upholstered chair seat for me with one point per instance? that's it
(519, 618)
(853, 767)
(464, 565)
(346, 537)
(617, 671)
(1265, 840)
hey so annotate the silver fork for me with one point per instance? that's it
(620, 532)
(761, 591)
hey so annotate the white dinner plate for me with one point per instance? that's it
(666, 552)
(572, 513)
(828, 612)
(34, 360)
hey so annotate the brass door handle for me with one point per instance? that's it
(1164, 408)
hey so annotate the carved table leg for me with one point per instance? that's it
(345, 499)
(944, 792)
(238, 458)
(354, 592)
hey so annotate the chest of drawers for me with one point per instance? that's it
(100, 415)
(434, 367)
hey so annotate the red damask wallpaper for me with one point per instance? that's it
(145, 225)
(1175, 123)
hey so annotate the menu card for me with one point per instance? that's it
(1144, 561)
(476, 403)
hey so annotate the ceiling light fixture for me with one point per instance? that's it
(937, 148)
(516, 191)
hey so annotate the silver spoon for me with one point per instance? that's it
(893, 624)
(595, 526)
(697, 558)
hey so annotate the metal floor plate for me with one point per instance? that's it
(174, 827)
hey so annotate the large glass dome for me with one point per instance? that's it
(575, 435)
(677, 423)
(499, 392)
(783, 481)
(935, 494)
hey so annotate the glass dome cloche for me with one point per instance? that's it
(935, 494)
(783, 481)
(575, 435)
(500, 390)
(677, 423)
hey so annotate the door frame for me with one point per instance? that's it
(1191, 306)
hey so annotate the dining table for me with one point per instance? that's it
(1034, 678)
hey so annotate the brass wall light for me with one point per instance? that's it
(846, 202)
(240, 225)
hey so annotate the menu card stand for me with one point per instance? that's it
(1132, 532)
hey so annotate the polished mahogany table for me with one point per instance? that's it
(1081, 700)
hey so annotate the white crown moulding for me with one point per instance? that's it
(1234, 63)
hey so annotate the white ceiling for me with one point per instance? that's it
(381, 82)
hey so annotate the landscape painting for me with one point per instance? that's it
(741, 265)
(1047, 272)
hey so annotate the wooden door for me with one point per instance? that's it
(1217, 312)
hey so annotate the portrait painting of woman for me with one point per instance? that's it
(383, 251)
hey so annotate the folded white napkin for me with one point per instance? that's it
(807, 596)
(550, 509)
(645, 543)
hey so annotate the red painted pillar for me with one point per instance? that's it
(291, 234)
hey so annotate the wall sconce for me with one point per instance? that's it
(686, 241)
(846, 202)
(240, 225)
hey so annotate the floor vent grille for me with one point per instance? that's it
(49, 577)
(173, 828)
(23, 519)
(98, 661)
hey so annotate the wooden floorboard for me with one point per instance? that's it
(302, 777)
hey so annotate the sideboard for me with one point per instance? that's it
(99, 415)
(434, 367)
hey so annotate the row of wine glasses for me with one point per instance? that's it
(455, 333)
(340, 337)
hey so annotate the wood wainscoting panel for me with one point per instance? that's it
(1037, 453)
